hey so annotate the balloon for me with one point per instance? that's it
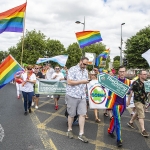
(18, 80)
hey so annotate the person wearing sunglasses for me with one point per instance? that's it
(29, 79)
(57, 76)
(39, 75)
(77, 79)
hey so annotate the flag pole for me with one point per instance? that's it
(23, 35)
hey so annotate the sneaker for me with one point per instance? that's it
(30, 110)
(56, 107)
(83, 138)
(36, 107)
(131, 125)
(145, 134)
(32, 104)
(112, 135)
(25, 113)
(70, 134)
(119, 143)
(52, 96)
(47, 95)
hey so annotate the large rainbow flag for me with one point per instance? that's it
(103, 55)
(87, 38)
(12, 19)
(8, 68)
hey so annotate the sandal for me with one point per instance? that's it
(97, 120)
(111, 118)
(105, 114)
(86, 117)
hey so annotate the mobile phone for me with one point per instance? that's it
(89, 79)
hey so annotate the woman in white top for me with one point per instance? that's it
(29, 79)
(58, 76)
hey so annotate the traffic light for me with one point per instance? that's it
(125, 61)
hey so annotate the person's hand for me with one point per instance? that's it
(128, 103)
(84, 81)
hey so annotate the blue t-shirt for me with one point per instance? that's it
(119, 100)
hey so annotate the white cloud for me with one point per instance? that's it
(56, 19)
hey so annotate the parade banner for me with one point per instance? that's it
(97, 95)
(147, 86)
(44, 86)
(113, 84)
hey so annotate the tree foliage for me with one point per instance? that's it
(3, 54)
(116, 58)
(136, 46)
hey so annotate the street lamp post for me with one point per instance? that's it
(78, 22)
(121, 45)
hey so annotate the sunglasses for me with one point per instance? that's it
(36, 68)
(84, 64)
(29, 68)
(57, 68)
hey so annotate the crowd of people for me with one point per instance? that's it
(76, 98)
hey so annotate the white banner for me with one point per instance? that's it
(97, 96)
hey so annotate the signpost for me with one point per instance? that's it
(113, 84)
(147, 86)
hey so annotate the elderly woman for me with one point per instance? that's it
(29, 79)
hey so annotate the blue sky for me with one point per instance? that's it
(56, 19)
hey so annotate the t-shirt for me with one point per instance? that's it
(39, 75)
(59, 76)
(28, 86)
(119, 100)
(49, 73)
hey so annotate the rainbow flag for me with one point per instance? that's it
(87, 38)
(8, 68)
(103, 55)
(12, 19)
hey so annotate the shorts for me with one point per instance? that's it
(36, 95)
(140, 110)
(76, 106)
(56, 96)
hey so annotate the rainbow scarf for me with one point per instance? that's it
(8, 68)
(111, 99)
(12, 19)
(87, 38)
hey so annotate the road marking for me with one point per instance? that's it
(47, 142)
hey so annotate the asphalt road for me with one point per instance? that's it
(45, 128)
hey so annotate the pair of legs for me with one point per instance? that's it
(140, 113)
(108, 112)
(18, 90)
(115, 122)
(35, 100)
(56, 98)
(96, 116)
(27, 99)
(76, 105)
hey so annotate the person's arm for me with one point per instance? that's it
(129, 98)
(73, 82)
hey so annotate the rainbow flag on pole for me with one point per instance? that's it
(8, 68)
(87, 38)
(12, 19)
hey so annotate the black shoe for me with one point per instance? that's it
(30, 110)
(25, 113)
(112, 135)
(119, 143)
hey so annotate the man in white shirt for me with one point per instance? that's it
(57, 76)
(49, 73)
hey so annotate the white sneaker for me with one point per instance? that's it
(32, 104)
(47, 95)
(52, 96)
(36, 107)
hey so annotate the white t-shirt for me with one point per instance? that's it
(49, 73)
(28, 86)
(59, 76)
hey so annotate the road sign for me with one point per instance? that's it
(147, 86)
(113, 84)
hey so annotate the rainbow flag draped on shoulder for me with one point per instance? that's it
(86, 38)
(8, 68)
(12, 19)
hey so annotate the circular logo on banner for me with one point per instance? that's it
(98, 95)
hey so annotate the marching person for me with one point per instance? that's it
(76, 96)
(29, 79)
(58, 76)
(39, 75)
(118, 105)
(140, 97)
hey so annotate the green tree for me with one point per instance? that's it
(3, 54)
(116, 58)
(116, 65)
(136, 46)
